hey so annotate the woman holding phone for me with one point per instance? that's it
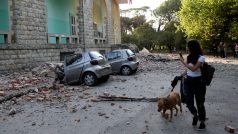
(194, 85)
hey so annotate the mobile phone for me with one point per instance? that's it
(180, 54)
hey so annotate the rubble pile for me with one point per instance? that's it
(152, 61)
(19, 80)
(40, 78)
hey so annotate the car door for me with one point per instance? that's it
(73, 66)
(115, 60)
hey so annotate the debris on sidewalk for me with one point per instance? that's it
(101, 114)
(45, 77)
(2, 93)
(152, 61)
(74, 109)
(144, 51)
(125, 98)
(12, 111)
(229, 129)
(18, 94)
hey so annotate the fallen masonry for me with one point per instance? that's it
(125, 98)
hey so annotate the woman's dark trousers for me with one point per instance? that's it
(195, 87)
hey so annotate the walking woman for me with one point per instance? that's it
(193, 84)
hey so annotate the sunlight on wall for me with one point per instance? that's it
(116, 21)
(99, 13)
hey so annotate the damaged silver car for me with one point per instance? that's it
(123, 61)
(87, 68)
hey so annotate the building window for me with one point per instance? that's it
(73, 25)
(4, 22)
(62, 21)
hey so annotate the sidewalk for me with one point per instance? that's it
(221, 106)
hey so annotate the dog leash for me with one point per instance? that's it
(170, 91)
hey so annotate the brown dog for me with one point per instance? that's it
(168, 103)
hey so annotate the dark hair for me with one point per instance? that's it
(195, 51)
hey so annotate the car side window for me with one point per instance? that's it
(119, 54)
(113, 55)
(72, 59)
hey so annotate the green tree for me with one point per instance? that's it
(146, 36)
(138, 21)
(128, 38)
(136, 11)
(166, 38)
(167, 10)
(166, 15)
(126, 24)
(127, 27)
(179, 39)
(209, 20)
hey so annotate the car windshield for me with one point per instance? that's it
(129, 52)
(71, 59)
(95, 55)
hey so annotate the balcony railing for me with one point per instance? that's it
(70, 39)
(6, 37)
(98, 36)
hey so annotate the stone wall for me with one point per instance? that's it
(88, 23)
(110, 29)
(29, 47)
(29, 22)
(16, 58)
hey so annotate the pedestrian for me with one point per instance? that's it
(225, 46)
(193, 83)
(232, 46)
(214, 49)
(221, 49)
(236, 50)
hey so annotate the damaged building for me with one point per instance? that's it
(37, 31)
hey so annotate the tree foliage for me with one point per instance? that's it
(209, 20)
(126, 24)
(138, 21)
(167, 10)
(146, 36)
(136, 11)
(168, 21)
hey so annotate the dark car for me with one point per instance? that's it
(86, 68)
(123, 61)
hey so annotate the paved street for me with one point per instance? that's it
(79, 114)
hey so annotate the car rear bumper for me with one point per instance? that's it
(134, 65)
(101, 71)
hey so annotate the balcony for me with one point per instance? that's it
(98, 36)
(68, 39)
(5, 37)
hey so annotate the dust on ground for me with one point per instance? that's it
(72, 109)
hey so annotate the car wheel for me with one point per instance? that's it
(90, 79)
(105, 78)
(125, 70)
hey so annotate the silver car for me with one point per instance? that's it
(86, 68)
(123, 61)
